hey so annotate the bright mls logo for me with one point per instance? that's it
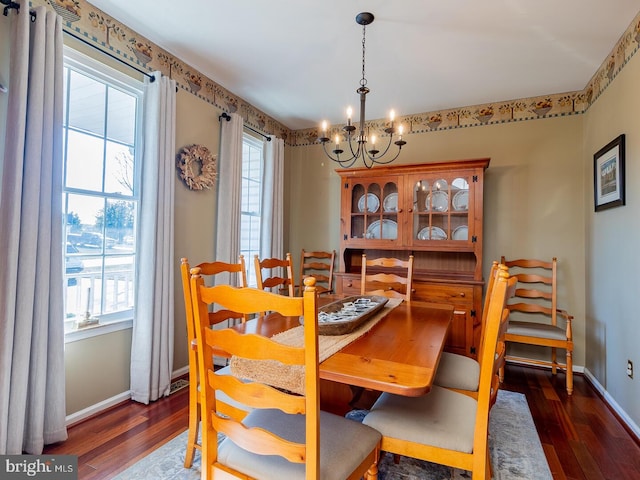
(50, 467)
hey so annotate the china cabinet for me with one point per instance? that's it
(433, 211)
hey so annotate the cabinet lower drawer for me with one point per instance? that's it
(348, 285)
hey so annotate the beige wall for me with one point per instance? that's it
(612, 261)
(195, 214)
(533, 196)
(97, 369)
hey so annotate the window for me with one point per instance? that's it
(102, 114)
(250, 208)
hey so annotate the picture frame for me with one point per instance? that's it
(608, 175)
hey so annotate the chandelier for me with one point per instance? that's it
(370, 155)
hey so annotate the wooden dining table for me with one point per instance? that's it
(400, 354)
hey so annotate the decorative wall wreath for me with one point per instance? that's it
(197, 167)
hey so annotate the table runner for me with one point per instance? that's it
(291, 377)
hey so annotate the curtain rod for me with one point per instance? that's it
(11, 4)
(227, 117)
(152, 78)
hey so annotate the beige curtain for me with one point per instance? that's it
(272, 227)
(32, 384)
(229, 190)
(152, 342)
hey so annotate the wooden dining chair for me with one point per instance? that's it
(285, 435)
(279, 278)
(318, 265)
(535, 313)
(459, 372)
(444, 426)
(393, 277)
(216, 270)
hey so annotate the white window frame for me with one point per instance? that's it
(103, 73)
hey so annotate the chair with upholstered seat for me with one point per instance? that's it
(285, 436)
(278, 277)
(535, 314)
(459, 372)
(445, 426)
(393, 277)
(220, 272)
(318, 265)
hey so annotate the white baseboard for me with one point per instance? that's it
(613, 404)
(180, 372)
(110, 402)
(97, 408)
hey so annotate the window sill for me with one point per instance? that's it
(95, 330)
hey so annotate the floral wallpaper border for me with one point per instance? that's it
(83, 19)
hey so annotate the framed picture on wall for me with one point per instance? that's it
(608, 175)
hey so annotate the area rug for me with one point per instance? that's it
(516, 452)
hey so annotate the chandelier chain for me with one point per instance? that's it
(363, 82)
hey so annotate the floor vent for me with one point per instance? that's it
(178, 385)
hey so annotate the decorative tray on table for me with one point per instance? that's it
(344, 316)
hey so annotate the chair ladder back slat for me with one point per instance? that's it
(533, 293)
(316, 265)
(260, 441)
(244, 300)
(254, 394)
(318, 277)
(530, 308)
(528, 263)
(530, 278)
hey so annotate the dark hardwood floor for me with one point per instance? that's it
(582, 438)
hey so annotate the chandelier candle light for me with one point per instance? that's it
(373, 155)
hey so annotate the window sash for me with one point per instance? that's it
(112, 268)
(251, 204)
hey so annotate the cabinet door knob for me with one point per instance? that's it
(462, 294)
(349, 283)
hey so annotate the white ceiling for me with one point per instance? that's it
(301, 61)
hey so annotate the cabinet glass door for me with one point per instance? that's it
(374, 211)
(460, 197)
(440, 209)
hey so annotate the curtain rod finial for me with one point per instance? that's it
(9, 5)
